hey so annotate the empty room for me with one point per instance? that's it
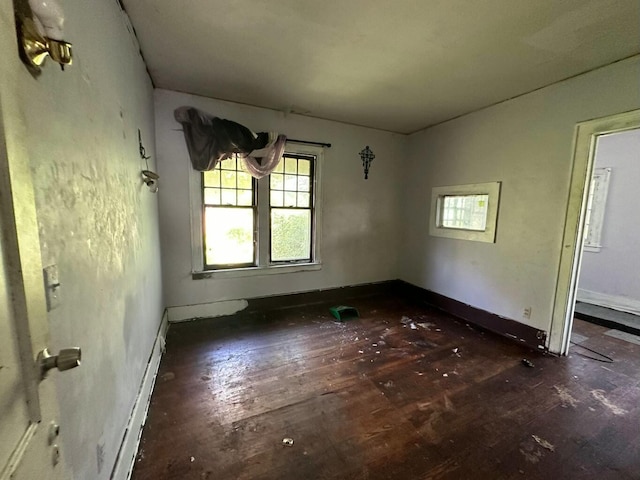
(319, 240)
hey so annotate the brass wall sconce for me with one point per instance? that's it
(40, 30)
(367, 157)
(151, 180)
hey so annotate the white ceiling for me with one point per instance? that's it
(396, 65)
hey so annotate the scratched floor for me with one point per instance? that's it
(403, 392)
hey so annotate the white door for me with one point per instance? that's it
(28, 408)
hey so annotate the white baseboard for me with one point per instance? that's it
(131, 440)
(622, 304)
(205, 310)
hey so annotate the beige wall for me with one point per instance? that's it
(360, 218)
(97, 223)
(527, 144)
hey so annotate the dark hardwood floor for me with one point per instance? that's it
(403, 392)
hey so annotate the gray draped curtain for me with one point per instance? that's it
(211, 139)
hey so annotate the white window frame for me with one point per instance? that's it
(596, 206)
(488, 235)
(264, 267)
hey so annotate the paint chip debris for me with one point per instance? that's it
(445, 374)
(168, 376)
(193, 459)
(389, 384)
(287, 442)
(599, 395)
(565, 397)
(543, 443)
(426, 325)
(360, 351)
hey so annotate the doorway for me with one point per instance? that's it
(586, 140)
(608, 289)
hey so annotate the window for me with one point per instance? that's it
(291, 209)
(596, 204)
(242, 225)
(229, 217)
(466, 212)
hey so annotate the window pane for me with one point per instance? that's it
(304, 167)
(212, 196)
(276, 199)
(280, 167)
(228, 197)
(244, 180)
(228, 179)
(228, 236)
(289, 199)
(290, 165)
(228, 164)
(303, 200)
(466, 212)
(290, 235)
(303, 184)
(290, 182)
(277, 181)
(245, 198)
(212, 178)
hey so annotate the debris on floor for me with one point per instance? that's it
(543, 443)
(565, 397)
(343, 312)
(599, 395)
(287, 442)
(527, 363)
(426, 325)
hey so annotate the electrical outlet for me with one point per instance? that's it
(527, 312)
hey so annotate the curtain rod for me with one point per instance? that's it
(307, 142)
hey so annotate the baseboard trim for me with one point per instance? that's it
(614, 302)
(512, 329)
(222, 308)
(276, 302)
(123, 466)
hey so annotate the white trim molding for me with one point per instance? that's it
(584, 144)
(205, 310)
(123, 467)
(614, 302)
(492, 189)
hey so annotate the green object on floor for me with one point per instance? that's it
(342, 312)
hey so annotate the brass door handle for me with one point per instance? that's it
(66, 359)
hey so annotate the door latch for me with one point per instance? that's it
(66, 359)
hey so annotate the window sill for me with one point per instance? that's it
(255, 271)
(590, 248)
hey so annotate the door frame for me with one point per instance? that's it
(32, 455)
(584, 149)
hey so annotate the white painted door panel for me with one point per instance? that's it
(27, 406)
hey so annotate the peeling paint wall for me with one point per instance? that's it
(527, 143)
(360, 218)
(98, 223)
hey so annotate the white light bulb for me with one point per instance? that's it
(49, 16)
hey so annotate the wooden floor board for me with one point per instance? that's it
(403, 392)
